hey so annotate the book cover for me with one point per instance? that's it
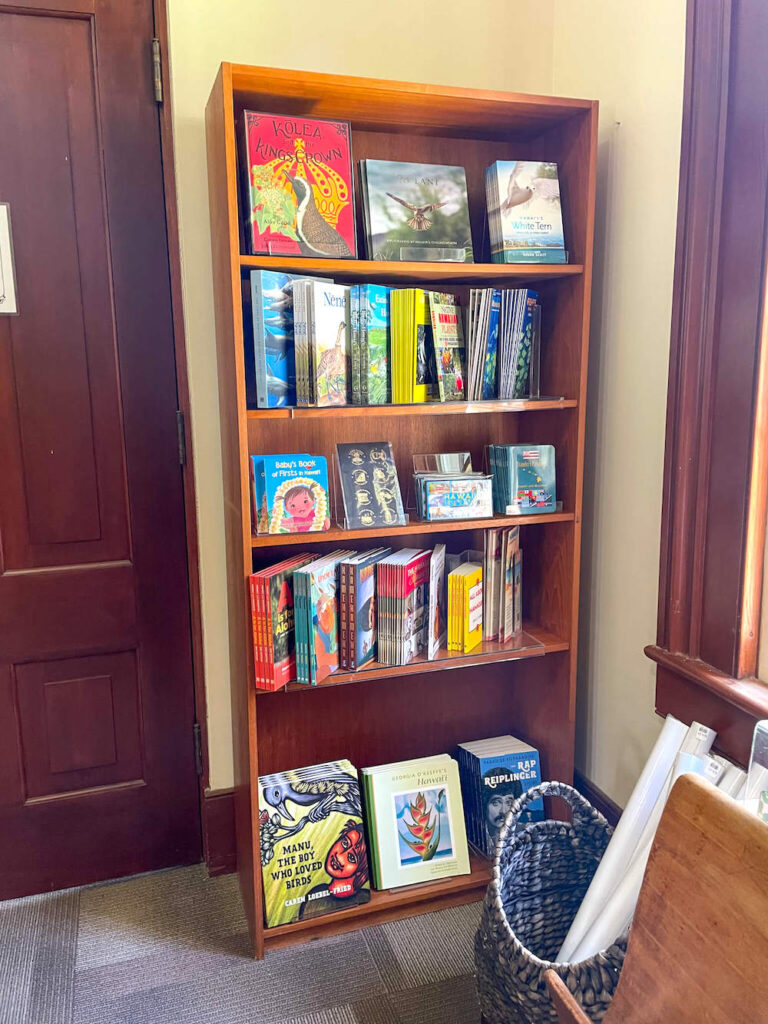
(365, 611)
(312, 840)
(524, 212)
(503, 778)
(415, 607)
(491, 345)
(416, 211)
(448, 341)
(282, 622)
(329, 342)
(472, 610)
(467, 497)
(534, 487)
(296, 493)
(298, 186)
(369, 485)
(374, 370)
(437, 610)
(323, 620)
(417, 821)
(273, 338)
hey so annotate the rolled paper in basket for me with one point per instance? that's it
(732, 780)
(698, 740)
(624, 842)
(619, 909)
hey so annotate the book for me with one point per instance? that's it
(272, 608)
(328, 342)
(437, 621)
(374, 344)
(472, 606)
(448, 342)
(316, 617)
(414, 604)
(415, 820)
(524, 215)
(453, 497)
(294, 498)
(358, 607)
(494, 773)
(415, 211)
(314, 856)
(298, 191)
(369, 485)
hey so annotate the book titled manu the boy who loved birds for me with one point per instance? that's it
(298, 186)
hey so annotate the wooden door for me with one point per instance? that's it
(97, 766)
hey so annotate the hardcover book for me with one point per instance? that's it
(369, 485)
(415, 821)
(294, 498)
(375, 344)
(448, 340)
(525, 219)
(416, 211)
(298, 186)
(313, 850)
(329, 342)
(272, 607)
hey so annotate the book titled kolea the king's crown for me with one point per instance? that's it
(313, 852)
(297, 186)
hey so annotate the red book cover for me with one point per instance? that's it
(299, 188)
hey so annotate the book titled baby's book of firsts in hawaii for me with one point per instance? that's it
(297, 186)
(290, 493)
(313, 851)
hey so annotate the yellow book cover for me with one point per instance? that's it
(472, 607)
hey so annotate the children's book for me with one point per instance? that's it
(316, 617)
(314, 858)
(298, 186)
(363, 609)
(329, 343)
(369, 485)
(273, 338)
(472, 610)
(416, 211)
(414, 615)
(272, 606)
(525, 219)
(375, 344)
(415, 819)
(295, 493)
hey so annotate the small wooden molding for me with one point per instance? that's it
(747, 694)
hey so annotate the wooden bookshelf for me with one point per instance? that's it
(528, 687)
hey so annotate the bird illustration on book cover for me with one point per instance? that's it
(299, 190)
(313, 850)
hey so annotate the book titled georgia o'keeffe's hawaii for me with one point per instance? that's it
(416, 211)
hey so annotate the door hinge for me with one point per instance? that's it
(198, 748)
(181, 435)
(157, 71)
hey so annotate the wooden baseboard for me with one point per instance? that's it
(219, 847)
(597, 798)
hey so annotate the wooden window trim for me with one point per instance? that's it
(716, 458)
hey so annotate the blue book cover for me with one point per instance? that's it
(525, 215)
(534, 483)
(501, 779)
(374, 370)
(491, 346)
(272, 311)
(295, 493)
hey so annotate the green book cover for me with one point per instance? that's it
(313, 851)
(374, 369)
(417, 212)
(418, 822)
(448, 341)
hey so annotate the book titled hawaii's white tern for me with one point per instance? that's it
(524, 213)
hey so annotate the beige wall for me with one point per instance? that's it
(633, 64)
(630, 58)
(449, 42)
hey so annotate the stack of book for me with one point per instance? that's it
(313, 850)
(320, 319)
(415, 820)
(357, 608)
(503, 591)
(494, 773)
(503, 342)
(403, 589)
(465, 607)
(415, 211)
(369, 343)
(446, 487)
(523, 478)
(316, 617)
(272, 612)
(524, 216)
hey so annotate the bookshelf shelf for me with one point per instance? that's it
(388, 903)
(526, 688)
(532, 643)
(510, 275)
(338, 536)
(419, 409)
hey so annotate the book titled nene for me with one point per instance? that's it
(328, 341)
(297, 186)
(415, 211)
(415, 821)
(314, 859)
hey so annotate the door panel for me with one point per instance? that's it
(97, 768)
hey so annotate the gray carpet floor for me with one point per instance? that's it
(171, 948)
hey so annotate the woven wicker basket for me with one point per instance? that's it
(540, 875)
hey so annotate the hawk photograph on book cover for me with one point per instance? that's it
(299, 192)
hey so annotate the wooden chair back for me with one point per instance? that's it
(698, 947)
